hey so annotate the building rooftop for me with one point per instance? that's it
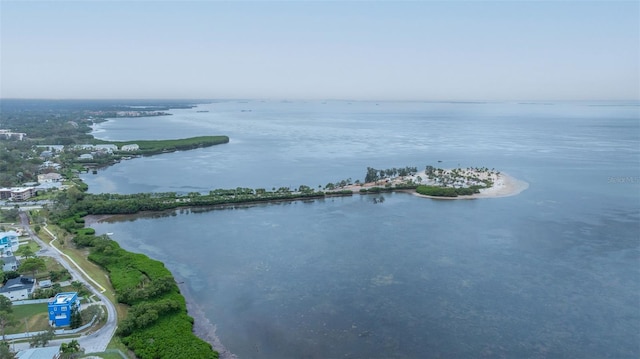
(17, 284)
(63, 298)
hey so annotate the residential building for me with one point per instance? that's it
(49, 164)
(86, 156)
(19, 288)
(106, 148)
(10, 263)
(52, 148)
(60, 308)
(9, 242)
(22, 193)
(49, 177)
(46, 154)
(8, 135)
(131, 147)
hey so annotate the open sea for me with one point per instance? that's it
(553, 272)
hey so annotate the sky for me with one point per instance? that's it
(357, 50)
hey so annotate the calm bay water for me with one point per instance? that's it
(552, 272)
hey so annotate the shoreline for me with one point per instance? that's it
(202, 326)
(504, 186)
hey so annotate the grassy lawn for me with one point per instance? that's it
(35, 315)
(30, 244)
(115, 343)
(52, 265)
(103, 355)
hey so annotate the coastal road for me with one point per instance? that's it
(98, 340)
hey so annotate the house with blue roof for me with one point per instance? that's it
(9, 242)
(60, 308)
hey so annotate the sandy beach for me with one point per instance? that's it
(503, 186)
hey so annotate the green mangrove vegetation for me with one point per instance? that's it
(157, 325)
(439, 191)
(151, 147)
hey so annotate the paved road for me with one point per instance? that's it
(94, 342)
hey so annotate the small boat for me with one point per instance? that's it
(109, 233)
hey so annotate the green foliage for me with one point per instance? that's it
(166, 339)
(41, 339)
(133, 203)
(374, 175)
(59, 275)
(10, 275)
(5, 351)
(9, 215)
(76, 318)
(43, 293)
(32, 265)
(145, 314)
(70, 350)
(92, 311)
(5, 304)
(438, 191)
(161, 146)
(7, 319)
(25, 251)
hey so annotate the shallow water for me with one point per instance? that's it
(551, 272)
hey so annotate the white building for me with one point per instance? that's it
(18, 288)
(106, 148)
(131, 147)
(49, 164)
(9, 242)
(49, 177)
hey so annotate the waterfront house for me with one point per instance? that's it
(60, 308)
(9, 242)
(131, 147)
(106, 148)
(19, 288)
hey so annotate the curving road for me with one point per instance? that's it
(98, 340)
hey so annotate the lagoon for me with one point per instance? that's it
(551, 272)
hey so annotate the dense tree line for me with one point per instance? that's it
(134, 203)
(374, 175)
(439, 191)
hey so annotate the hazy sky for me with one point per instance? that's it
(420, 50)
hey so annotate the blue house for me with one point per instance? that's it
(60, 308)
(8, 242)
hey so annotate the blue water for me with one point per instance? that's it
(551, 272)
